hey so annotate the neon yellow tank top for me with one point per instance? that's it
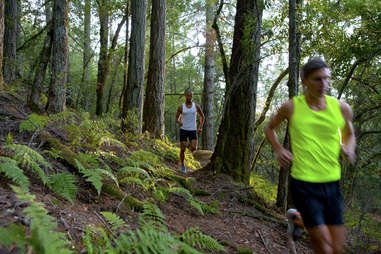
(315, 141)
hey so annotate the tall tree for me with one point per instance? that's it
(209, 74)
(133, 95)
(1, 42)
(10, 40)
(153, 110)
(86, 55)
(125, 58)
(235, 142)
(293, 78)
(103, 11)
(105, 54)
(57, 88)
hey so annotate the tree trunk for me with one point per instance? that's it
(125, 60)
(1, 42)
(10, 40)
(235, 143)
(133, 96)
(57, 88)
(83, 100)
(103, 61)
(34, 96)
(153, 112)
(209, 74)
(113, 79)
(283, 199)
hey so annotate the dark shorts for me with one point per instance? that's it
(318, 203)
(185, 135)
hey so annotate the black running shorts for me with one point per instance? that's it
(185, 135)
(318, 203)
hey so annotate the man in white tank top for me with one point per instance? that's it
(186, 118)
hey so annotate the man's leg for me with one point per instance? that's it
(193, 145)
(321, 239)
(338, 235)
(183, 145)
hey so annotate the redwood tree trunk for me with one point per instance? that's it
(103, 54)
(133, 95)
(235, 143)
(34, 96)
(1, 42)
(57, 88)
(125, 59)
(153, 112)
(209, 73)
(10, 41)
(294, 54)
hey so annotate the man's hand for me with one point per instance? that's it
(199, 129)
(284, 157)
(348, 154)
(180, 122)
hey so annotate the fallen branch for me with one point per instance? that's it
(263, 240)
(105, 223)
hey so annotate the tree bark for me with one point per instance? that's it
(34, 96)
(133, 95)
(294, 57)
(10, 41)
(60, 52)
(153, 110)
(209, 74)
(235, 143)
(103, 61)
(1, 42)
(125, 60)
(83, 100)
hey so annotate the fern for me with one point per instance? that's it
(128, 170)
(30, 159)
(196, 238)
(114, 220)
(144, 184)
(94, 176)
(109, 141)
(181, 190)
(34, 122)
(152, 215)
(41, 238)
(64, 185)
(9, 167)
(144, 156)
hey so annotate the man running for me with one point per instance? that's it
(320, 128)
(186, 118)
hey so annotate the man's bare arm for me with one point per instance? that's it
(348, 136)
(178, 114)
(284, 156)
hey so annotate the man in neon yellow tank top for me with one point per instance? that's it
(320, 129)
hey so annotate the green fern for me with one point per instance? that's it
(145, 185)
(181, 190)
(130, 170)
(64, 185)
(196, 238)
(145, 156)
(109, 141)
(9, 167)
(114, 220)
(34, 122)
(152, 215)
(95, 176)
(30, 159)
(42, 237)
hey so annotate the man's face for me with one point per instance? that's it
(189, 97)
(318, 82)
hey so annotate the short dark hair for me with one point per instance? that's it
(311, 66)
(188, 90)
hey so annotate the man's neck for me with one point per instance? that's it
(316, 103)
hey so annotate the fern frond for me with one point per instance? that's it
(135, 180)
(94, 178)
(128, 170)
(13, 234)
(87, 241)
(114, 220)
(33, 123)
(196, 204)
(109, 141)
(181, 190)
(9, 167)
(31, 159)
(152, 215)
(43, 238)
(64, 185)
(196, 238)
(145, 156)
(108, 174)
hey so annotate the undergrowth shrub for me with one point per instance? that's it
(265, 190)
(42, 237)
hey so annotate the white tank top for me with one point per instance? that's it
(189, 117)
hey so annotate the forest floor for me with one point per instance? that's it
(238, 224)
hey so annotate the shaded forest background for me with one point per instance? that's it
(131, 61)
